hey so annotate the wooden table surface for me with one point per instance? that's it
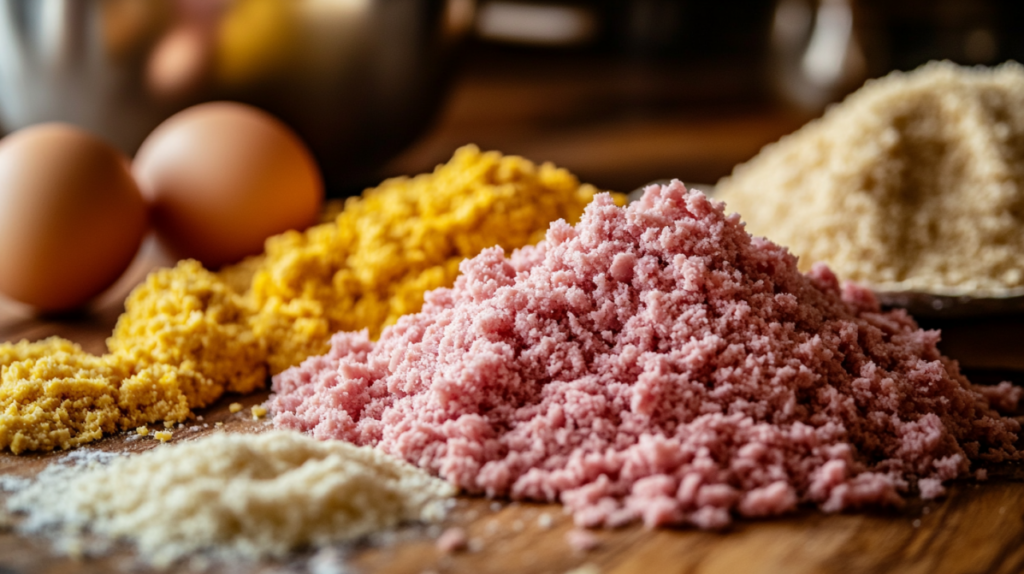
(977, 527)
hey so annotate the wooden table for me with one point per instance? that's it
(977, 527)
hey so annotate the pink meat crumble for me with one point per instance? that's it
(656, 363)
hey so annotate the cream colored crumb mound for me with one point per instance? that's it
(914, 182)
(236, 496)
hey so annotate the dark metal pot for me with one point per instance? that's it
(357, 79)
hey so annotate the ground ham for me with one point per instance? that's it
(656, 363)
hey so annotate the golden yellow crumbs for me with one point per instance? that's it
(188, 335)
(218, 424)
(407, 236)
(235, 407)
(163, 436)
(258, 412)
(142, 431)
(188, 319)
(55, 395)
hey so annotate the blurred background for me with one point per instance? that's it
(621, 92)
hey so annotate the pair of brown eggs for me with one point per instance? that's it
(213, 182)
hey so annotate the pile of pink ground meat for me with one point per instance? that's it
(657, 363)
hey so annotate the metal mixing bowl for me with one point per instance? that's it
(357, 79)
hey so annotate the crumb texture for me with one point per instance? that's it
(54, 395)
(914, 182)
(233, 495)
(655, 363)
(188, 319)
(407, 236)
(188, 335)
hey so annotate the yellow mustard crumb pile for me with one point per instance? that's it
(188, 334)
(385, 249)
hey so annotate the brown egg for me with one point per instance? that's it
(221, 177)
(71, 217)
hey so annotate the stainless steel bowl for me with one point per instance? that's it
(357, 79)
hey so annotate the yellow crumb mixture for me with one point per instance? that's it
(407, 236)
(188, 335)
(55, 395)
(188, 319)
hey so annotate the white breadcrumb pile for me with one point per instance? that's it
(233, 496)
(914, 182)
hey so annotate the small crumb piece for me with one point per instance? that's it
(545, 521)
(452, 540)
(199, 418)
(328, 560)
(258, 412)
(142, 431)
(581, 540)
(518, 526)
(73, 548)
(475, 545)
(495, 506)
(917, 523)
(981, 474)
(163, 436)
(235, 407)
(218, 424)
(168, 424)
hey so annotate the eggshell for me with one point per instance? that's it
(221, 177)
(71, 216)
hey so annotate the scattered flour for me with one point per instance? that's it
(229, 495)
